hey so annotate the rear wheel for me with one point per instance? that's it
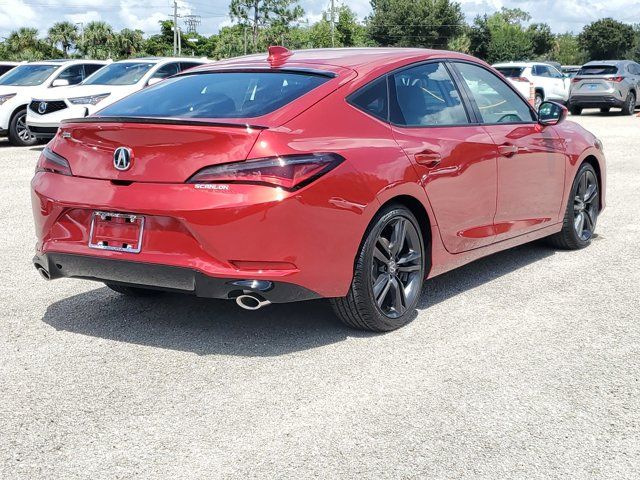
(537, 101)
(575, 110)
(582, 211)
(388, 275)
(605, 110)
(133, 291)
(19, 133)
(629, 104)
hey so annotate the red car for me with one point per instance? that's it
(349, 174)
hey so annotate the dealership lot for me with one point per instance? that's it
(522, 365)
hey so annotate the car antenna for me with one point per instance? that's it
(278, 54)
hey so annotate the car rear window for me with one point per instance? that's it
(598, 70)
(217, 95)
(511, 72)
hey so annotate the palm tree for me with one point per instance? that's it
(23, 39)
(97, 38)
(65, 34)
(128, 42)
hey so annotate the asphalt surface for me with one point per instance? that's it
(523, 365)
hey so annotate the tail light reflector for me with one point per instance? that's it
(289, 172)
(51, 162)
(521, 79)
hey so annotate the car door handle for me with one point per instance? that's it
(507, 150)
(428, 158)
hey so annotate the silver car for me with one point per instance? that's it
(606, 84)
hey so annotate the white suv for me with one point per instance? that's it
(537, 79)
(20, 84)
(107, 86)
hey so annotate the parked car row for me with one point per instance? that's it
(597, 84)
(35, 97)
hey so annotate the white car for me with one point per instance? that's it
(27, 80)
(537, 81)
(105, 87)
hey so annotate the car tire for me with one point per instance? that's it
(629, 104)
(17, 127)
(584, 202)
(575, 110)
(605, 110)
(133, 291)
(388, 277)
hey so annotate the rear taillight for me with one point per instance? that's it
(289, 172)
(51, 162)
(615, 79)
(575, 80)
(521, 79)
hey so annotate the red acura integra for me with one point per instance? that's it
(350, 174)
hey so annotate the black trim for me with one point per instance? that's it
(161, 277)
(596, 101)
(161, 121)
(43, 132)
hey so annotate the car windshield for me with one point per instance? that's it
(217, 95)
(511, 72)
(28, 75)
(598, 70)
(127, 73)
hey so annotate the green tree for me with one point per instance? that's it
(480, 36)
(97, 40)
(127, 43)
(231, 42)
(461, 43)
(415, 23)
(257, 15)
(509, 40)
(64, 34)
(541, 38)
(24, 44)
(567, 51)
(161, 44)
(607, 39)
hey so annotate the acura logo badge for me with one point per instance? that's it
(122, 158)
(42, 107)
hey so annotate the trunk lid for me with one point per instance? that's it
(161, 150)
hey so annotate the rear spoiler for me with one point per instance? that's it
(162, 121)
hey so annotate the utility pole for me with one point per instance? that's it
(175, 27)
(333, 24)
(82, 36)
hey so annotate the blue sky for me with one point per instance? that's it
(562, 15)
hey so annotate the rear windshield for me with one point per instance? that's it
(127, 73)
(598, 70)
(511, 72)
(217, 95)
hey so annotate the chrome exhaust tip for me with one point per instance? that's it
(249, 301)
(43, 273)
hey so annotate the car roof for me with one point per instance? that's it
(61, 62)
(522, 64)
(334, 59)
(607, 62)
(155, 60)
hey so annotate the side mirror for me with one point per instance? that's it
(551, 113)
(153, 81)
(60, 82)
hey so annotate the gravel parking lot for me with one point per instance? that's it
(523, 365)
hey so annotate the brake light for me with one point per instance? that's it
(289, 172)
(521, 79)
(51, 162)
(575, 80)
(615, 79)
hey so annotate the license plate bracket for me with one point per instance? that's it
(119, 232)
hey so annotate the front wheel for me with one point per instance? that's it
(388, 275)
(19, 133)
(582, 211)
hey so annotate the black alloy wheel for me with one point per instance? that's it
(19, 133)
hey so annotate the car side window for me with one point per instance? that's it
(373, 99)
(166, 71)
(554, 73)
(495, 100)
(188, 65)
(73, 74)
(426, 96)
(543, 71)
(89, 68)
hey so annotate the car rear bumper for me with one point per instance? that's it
(164, 277)
(204, 236)
(596, 101)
